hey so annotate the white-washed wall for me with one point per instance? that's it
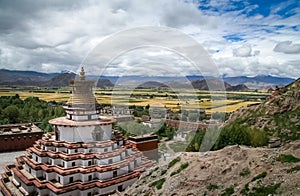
(82, 134)
(105, 175)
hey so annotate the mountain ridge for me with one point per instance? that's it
(23, 78)
(33, 78)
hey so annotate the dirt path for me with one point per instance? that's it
(170, 150)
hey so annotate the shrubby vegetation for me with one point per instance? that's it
(234, 134)
(261, 190)
(166, 131)
(159, 183)
(264, 190)
(182, 167)
(212, 187)
(173, 162)
(231, 135)
(259, 176)
(245, 172)
(228, 191)
(135, 128)
(287, 158)
(194, 145)
(31, 109)
(139, 111)
(294, 169)
(283, 122)
(163, 172)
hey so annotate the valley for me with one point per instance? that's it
(210, 101)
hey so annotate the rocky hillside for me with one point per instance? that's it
(237, 169)
(216, 84)
(233, 170)
(23, 78)
(279, 115)
(152, 84)
(60, 80)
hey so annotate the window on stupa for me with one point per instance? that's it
(115, 173)
(71, 179)
(110, 161)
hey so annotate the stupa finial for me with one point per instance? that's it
(82, 74)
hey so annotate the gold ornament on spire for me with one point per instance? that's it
(82, 74)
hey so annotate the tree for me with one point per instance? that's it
(12, 113)
(147, 107)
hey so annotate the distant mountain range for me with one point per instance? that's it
(257, 82)
(260, 81)
(32, 78)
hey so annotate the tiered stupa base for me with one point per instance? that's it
(60, 168)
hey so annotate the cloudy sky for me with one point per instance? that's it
(247, 37)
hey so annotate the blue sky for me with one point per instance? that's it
(242, 37)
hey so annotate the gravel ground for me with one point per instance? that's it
(9, 158)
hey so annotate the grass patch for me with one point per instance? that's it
(173, 162)
(246, 189)
(260, 191)
(245, 172)
(287, 158)
(294, 169)
(228, 191)
(178, 146)
(212, 187)
(182, 167)
(159, 183)
(264, 190)
(259, 176)
(163, 172)
(162, 147)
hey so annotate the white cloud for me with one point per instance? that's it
(244, 51)
(56, 35)
(287, 47)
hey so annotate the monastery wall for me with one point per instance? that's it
(14, 142)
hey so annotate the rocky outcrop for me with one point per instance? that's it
(234, 169)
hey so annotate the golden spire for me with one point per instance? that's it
(82, 74)
(82, 91)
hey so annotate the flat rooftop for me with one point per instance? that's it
(141, 138)
(19, 128)
(63, 121)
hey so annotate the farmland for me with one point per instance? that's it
(172, 99)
